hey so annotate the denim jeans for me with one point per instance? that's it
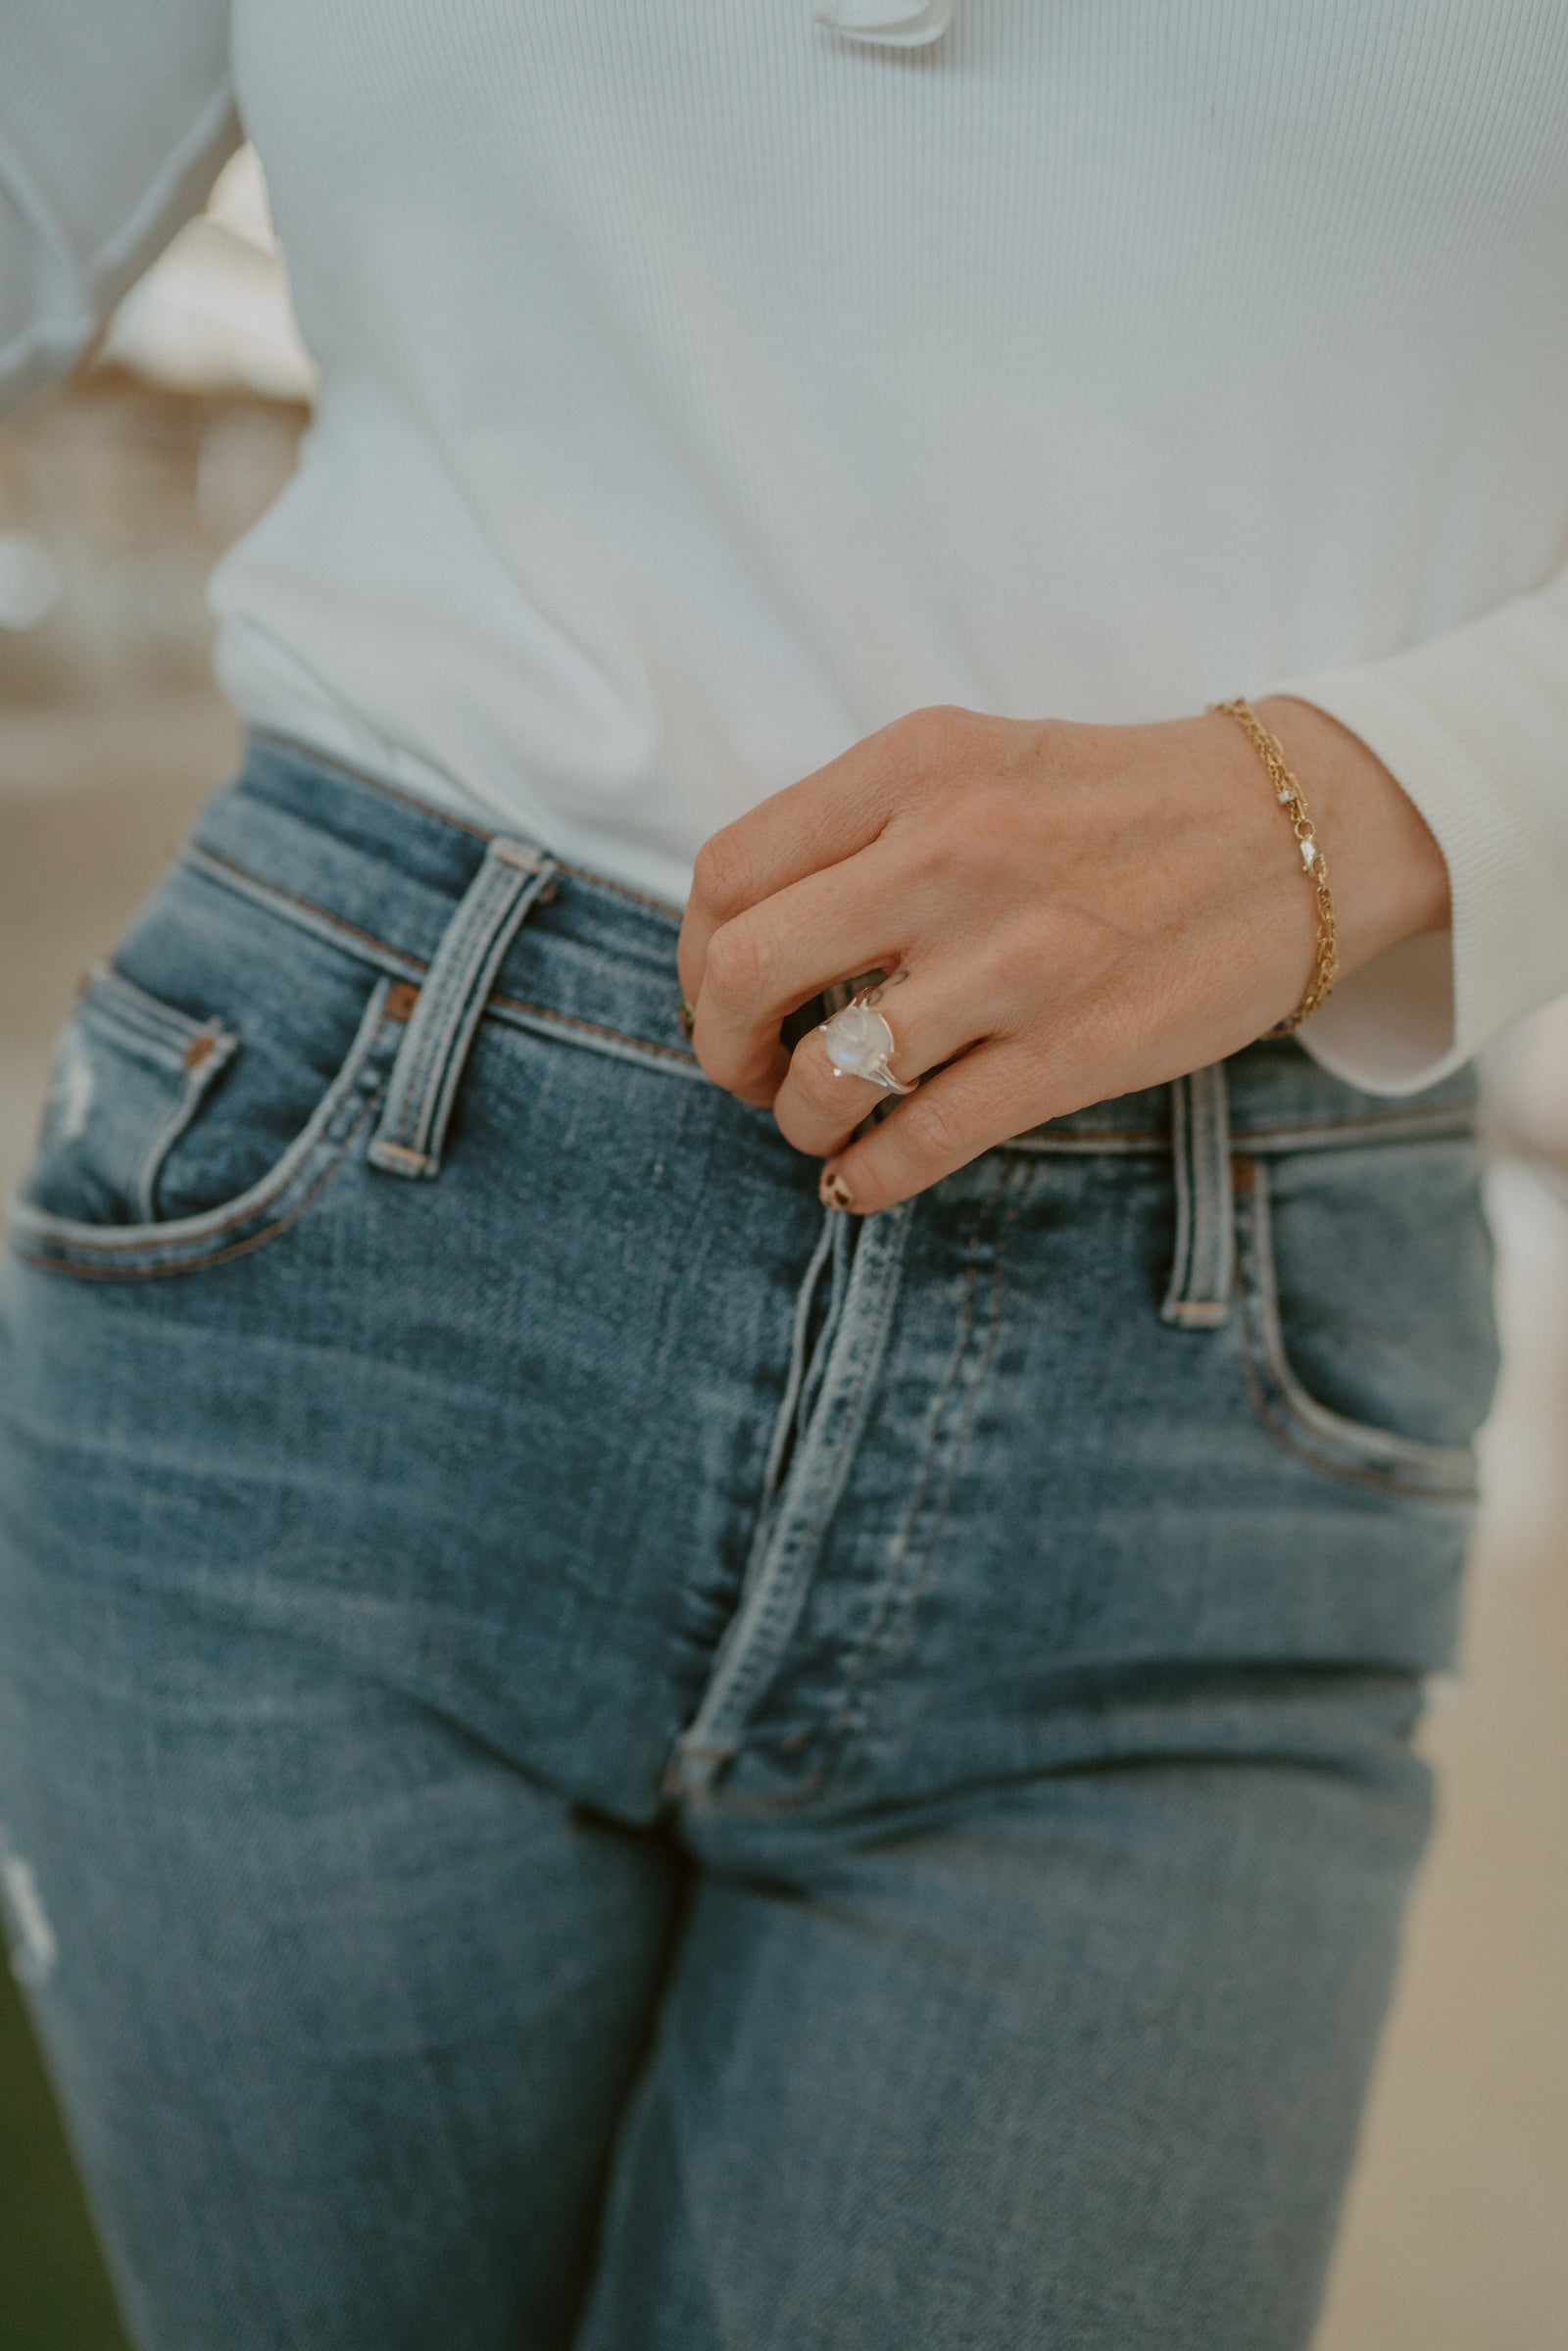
(593, 1754)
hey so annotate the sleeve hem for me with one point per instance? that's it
(1465, 730)
(48, 347)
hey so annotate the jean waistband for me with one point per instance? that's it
(362, 864)
(381, 874)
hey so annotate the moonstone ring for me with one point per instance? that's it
(859, 1042)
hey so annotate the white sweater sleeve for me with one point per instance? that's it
(114, 123)
(1474, 725)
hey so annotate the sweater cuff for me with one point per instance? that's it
(1474, 726)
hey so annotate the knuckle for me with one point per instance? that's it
(741, 961)
(1034, 748)
(795, 1122)
(739, 1073)
(969, 824)
(714, 1061)
(934, 737)
(807, 1091)
(721, 876)
(931, 1129)
(979, 829)
(942, 721)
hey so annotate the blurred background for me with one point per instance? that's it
(117, 495)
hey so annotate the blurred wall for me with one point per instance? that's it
(116, 496)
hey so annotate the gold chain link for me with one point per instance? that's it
(1288, 792)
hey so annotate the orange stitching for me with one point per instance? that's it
(1145, 1138)
(282, 1180)
(1380, 1481)
(1288, 1433)
(324, 914)
(1148, 1139)
(1006, 1210)
(1462, 1118)
(400, 1151)
(509, 1003)
(572, 1020)
(835, 1732)
(83, 1272)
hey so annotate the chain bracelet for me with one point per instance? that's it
(1288, 792)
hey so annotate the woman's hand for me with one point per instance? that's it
(1076, 912)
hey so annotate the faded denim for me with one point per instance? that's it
(593, 1756)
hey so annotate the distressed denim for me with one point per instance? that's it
(594, 1755)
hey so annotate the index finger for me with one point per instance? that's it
(820, 820)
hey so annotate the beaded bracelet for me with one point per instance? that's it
(1288, 792)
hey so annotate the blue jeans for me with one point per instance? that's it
(591, 1754)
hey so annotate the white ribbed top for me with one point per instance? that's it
(704, 382)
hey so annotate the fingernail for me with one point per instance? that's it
(832, 1189)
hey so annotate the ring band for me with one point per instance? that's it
(859, 1042)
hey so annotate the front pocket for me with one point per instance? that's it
(1388, 1296)
(107, 1121)
(128, 1075)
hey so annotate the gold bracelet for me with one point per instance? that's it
(1288, 792)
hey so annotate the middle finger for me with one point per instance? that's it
(869, 913)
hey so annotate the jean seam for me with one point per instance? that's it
(875, 1648)
(112, 1251)
(1331, 1134)
(406, 1089)
(107, 995)
(191, 1095)
(84, 1270)
(1199, 1293)
(841, 1727)
(1415, 1471)
(320, 922)
(424, 1079)
(798, 1523)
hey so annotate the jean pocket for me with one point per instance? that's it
(172, 1139)
(1368, 1338)
(130, 1074)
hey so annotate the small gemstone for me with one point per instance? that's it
(858, 1040)
(1308, 853)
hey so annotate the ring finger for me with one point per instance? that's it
(818, 1106)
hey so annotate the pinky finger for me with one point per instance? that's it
(975, 1102)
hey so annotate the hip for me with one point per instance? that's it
(387, 1269)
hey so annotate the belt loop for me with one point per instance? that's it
(435, 1046)
(1200, 1294)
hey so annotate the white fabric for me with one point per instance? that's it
(906, 24)
(706, 382)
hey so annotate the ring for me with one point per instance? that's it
(859, 1042)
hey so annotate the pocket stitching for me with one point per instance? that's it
(123, 1242)
(141, 1019)
(320, 922)
(114, 1012)
(1293, 1415)
(198, 1078)
(81, 1269)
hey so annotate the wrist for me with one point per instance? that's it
(1389, 878)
